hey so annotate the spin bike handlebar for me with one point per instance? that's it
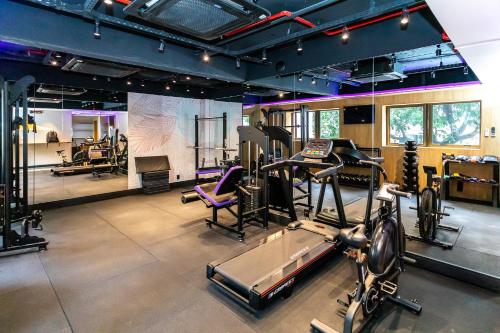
(376, 164)
(393, 189)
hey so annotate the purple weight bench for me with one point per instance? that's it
(222, 195)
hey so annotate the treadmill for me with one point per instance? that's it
(361, 210)
(270, 268)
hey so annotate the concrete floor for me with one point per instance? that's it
(137, 264)
(44, 187)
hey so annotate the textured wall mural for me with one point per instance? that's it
(163, 125)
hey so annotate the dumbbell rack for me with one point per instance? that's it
(361, 177)
(410, 167)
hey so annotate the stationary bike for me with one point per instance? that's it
(430, 213)
(379, 262)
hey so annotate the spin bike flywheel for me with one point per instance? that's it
(370, 301)
(427, 215)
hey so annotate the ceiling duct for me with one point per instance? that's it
(382, 70)
(206, 19)
(60, 90)
(100, 68)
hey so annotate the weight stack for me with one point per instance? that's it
(253, 200)
(410, 167)
(155, 182)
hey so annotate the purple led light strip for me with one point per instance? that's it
(367, 94)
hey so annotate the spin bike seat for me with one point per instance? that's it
(354, 237)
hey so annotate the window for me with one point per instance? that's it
(297, 122)
(456, 123)
(246, 120)
(329, 124)
(406, 123)
(435, 124)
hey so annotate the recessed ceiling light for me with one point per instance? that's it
(405, 18)
(188, 78)
(206, 56)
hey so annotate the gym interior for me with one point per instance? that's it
(249, 166)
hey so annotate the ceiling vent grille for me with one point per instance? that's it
(206, 19)
(58, 90)
(100, 68)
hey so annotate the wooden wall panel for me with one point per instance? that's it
(372, 135)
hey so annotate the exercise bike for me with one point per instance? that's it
(430, 211)
(379, 263)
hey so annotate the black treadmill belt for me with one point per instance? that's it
(354, 211)
(273, 260)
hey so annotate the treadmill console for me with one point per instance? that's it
(317, 149)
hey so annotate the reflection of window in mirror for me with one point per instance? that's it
(246, 120)
(329, 124)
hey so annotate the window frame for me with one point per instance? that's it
(318, 121)
(430, 127)
(243, 120)
(388, 123)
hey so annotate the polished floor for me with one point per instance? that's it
(137, 264)
(44, 187)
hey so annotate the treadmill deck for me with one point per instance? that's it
(282, 255)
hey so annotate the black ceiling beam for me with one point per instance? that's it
(291, 83)
(49, 29)
(373, 11)
(14, 70)
(379, 39)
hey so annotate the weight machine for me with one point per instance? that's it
(14, 206)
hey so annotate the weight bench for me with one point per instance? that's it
(224, 194)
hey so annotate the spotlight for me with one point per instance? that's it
(345, 34)
(174, 80)
(438, 50)
(129, 83)
(393, 60)
(281, 94)
(355, 67)
(94, 78)
(54, 62)
(205, 57)
(188, 78)
(301, 76)
(264, 55)
(433, 74)
(405, 18)
(313, 80)
(300, 48)
(108, 2)
(466, 70)
(187, 90)
(57, 55)
(238, 63)
(97, 29)
(142, 84)
(108, 79)
(167, 87)
(202, 91)
(402, 80)
(161, 48)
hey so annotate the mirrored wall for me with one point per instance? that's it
(77, 143)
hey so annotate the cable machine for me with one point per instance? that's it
(14, 206)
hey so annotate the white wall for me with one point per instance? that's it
(163, 125)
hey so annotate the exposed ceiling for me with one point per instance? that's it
(239, 49)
